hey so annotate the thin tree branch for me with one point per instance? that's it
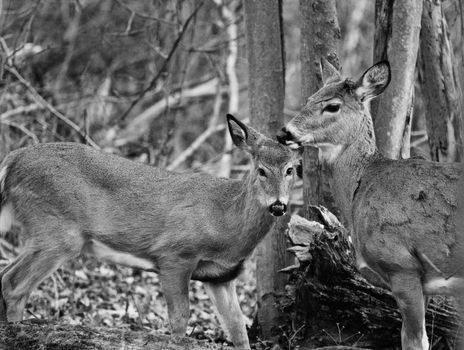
(20, 110)
(41, 101)
(151, 18)
(164, 65)
(22, 128)
(140, 123)
(195, 145)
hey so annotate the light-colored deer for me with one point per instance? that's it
(70, 199)
(400, 212)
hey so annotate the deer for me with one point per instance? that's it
(69, 200)
(401, 213)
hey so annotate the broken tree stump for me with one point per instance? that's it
(337, 305)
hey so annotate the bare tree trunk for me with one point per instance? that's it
(228, 15)
(453, 11)
(266, 91)
(396, 39)
(320, 35)
(454, 14)
(441, 86)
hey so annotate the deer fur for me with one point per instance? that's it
(70, 199)
(401, 212)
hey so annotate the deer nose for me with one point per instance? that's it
(284, 135)
(278, 208)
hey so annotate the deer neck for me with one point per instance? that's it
(254, 219)
(348, 168)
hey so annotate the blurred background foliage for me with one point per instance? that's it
(93, 61)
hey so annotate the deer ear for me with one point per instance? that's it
(238, 131)
(329, 72)
(374, 81)
(243, 136)
(299, 169)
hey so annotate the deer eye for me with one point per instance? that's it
(290, 171)
(331, 108)
(261, 172)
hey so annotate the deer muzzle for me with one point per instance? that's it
(285, 137)
(278, 208)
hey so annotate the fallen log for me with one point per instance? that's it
(29, 335)
(337, 305)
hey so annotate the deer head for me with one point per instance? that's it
(337, 115)
(273, 165)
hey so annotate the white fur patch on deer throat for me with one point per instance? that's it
(7, 217)
(108, 254)
(329, 151)
(440, 285)
(307, 140)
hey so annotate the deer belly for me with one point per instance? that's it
(103, 252)
(213, 272)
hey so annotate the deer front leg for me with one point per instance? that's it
(407, 290)
(175, 287)
(227, 307)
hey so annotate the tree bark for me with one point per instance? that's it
(441, 86)
(320, 35)
(266, 76)
(454, 14)
(396, 39)
(27, 335)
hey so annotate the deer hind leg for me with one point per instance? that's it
(25, 274)
(43, 254)
(407, 290)
(227, 307)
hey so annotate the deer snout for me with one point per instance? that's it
(285, 137)
(278, 208)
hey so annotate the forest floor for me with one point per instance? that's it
(93, 294)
